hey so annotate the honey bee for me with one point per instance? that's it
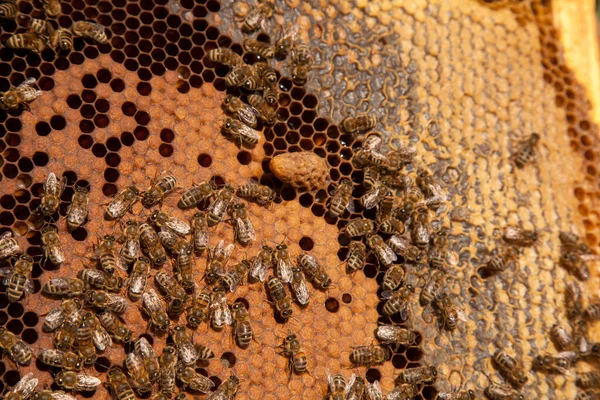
(431, 189)
(151, 243)
(64, 287)
(433, 287)
(64, 338)
(457, 395)
(176, 295)
(242, 226)
(292, 349)
(336, 387)
(420, 233)
(18, 279)
(138, 278)
(51, 244)
(163, 220)
(17, 349)
(100, 336)
(357, 257)
(117, 330)
(559, 363)
(106, 300)
(239, 75)
(271, 94)
(195, 195)
(266, 74)
(25, 387)
(89, 30)
(220, 314)
(299, 287)
(144, 350)
(140, 380)
(261, 264)
(242, 328)
(393, 277)
(580, 337)
(122, 203)
(8, 10)
(588, 380)
(60, 359)
(360, 124)
(57, 316)
(255, 17)
(391, 334)
(285, 42)
(314, 271)
(262, 49)
(194, 381)
(501, 259)
(510, 368)
(573, 301)
(50, 199)
(8, 245)
(267, 113)
(101, 280)
(225, 56)
(200, 309)
(592, 312)
(384, 253)
(450, 314)
(279, 296)
(572, 242)
(25, 41)
(183, 267)
(283, 263)
(402, 391)
(391, 226)
(118, 384)
(375, 195)
(227, 390)
(302, 60)
(342, 199)
(217, 260)
(85, 341)
(519, 237)
(373, 391)
(131, 242)
(109, 259)
(77, 212)
(217, 209)
(241, 111)
(370, 177)
(415, 376)
(153, 307)
(590, 394)
(495, 391)
(168, 362)
(359, 227)
(561, 337)
(397, 302)
(78, 382)
(232, 279)
(525, 153)
(61, 37)
(356, 388)
(262, 195)
(575, 264)
(159, 190)
(369, 355)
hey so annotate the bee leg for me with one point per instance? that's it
(26, 107)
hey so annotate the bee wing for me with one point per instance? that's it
(6, 235)
(301, 291)
(27, 82)
(385, 332)
(26, 385)
(284, 268)
(589, 257)
(132, 247)
(249, 132)
(145, 349)
(259, 270)
(178, 226)
(386, 254)
(101, 338)
(228, 317)
(249, 229)
(370, 199)
(374, 391)
(87, 381)
(6, 271)
(228, 250)
(404, 311)
(387, 294)
(512, 233)
(350, 384)
(55, 317)
(151, 301)
(60, 395)
(29, 288)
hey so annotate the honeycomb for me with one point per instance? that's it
(462, 81)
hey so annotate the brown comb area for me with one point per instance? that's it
(463, 80)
